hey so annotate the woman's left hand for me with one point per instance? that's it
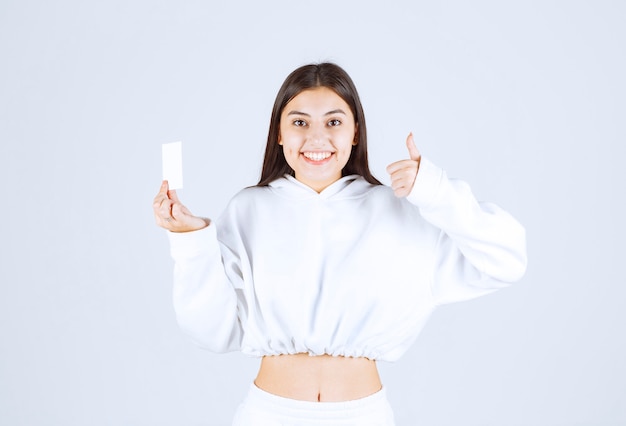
(404, 172)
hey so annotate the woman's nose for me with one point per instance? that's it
(317, 134)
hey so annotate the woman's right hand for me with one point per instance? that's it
(172, 215)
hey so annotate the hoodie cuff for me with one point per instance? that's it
(194, 242)
(427, 183)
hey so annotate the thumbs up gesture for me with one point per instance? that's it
(404, 172)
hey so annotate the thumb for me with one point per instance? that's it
(172, 194)
(414, 153)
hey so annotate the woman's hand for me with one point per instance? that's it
(404, 172)
(170, 214)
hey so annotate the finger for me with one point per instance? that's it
(403, 178)
(163, 219)
(400, 189)
(400, 183)
(164, 188)
(163, 207)
(178, 210)
(403, 192)
(173, 196)
(158, 199)
(400, 165)
(414, 153)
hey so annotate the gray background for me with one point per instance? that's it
(523, 99)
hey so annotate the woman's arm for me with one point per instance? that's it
(205, 301)
(481, 247)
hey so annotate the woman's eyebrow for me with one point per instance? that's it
(298, 113)
(335, 111)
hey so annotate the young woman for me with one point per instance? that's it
(320, 270)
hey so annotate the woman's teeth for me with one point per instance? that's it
(317, 156)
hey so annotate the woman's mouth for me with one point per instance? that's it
(317, 156)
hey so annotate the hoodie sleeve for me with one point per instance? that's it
(480, 248)
(205, 300)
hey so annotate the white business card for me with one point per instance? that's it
(173, 164)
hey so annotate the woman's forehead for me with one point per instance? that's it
(319, 100)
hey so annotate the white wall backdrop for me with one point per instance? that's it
(523, 99)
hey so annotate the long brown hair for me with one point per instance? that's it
(307, 77)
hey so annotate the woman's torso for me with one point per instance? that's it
(344, 273)
(321, 378)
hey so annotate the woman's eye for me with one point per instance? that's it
(299, 123)
(334, 122)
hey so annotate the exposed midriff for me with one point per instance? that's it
(321, 378)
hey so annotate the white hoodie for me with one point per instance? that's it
(352, 271)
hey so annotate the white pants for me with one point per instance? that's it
(261, 408)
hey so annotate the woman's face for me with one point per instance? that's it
(317, 132)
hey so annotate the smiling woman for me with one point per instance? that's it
(335, 86)
(317, 133)
(320, 270)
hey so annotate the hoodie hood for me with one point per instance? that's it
(347, 187)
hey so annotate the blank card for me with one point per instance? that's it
(173, 164)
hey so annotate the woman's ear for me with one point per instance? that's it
(355, 141)
(280, 139)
